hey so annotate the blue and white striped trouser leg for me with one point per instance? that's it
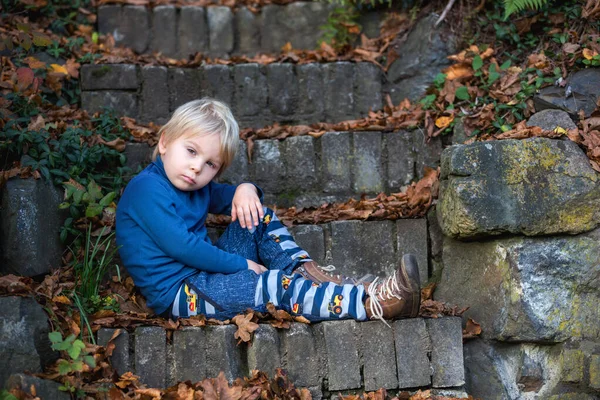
(187, 304)
(299, 296)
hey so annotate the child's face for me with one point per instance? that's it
(191, 162)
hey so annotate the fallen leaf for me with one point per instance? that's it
(245, 326)
(444, 121)
(59, 69)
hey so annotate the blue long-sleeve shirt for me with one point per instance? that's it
(162, 235)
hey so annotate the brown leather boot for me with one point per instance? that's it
(397, 296)
(319, 274)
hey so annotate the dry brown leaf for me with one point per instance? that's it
(245, 326)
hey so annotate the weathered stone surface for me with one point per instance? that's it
(494, 370)
(268, 169)
(412, 238)
(120, 359)
(30, 225)
(109, 76)
(551, 119)
(184, 86)
(123, 104)
(151, 355)
(339, 91)
(424, 54)
(526, 289)
(368, 88)
(109, 18)
(366, 163)
(400, 159)
(223, 354)
(138, 155)
(264, 353)
(341, 352)
(531, 375)
(134, 28)
(360, 248)
(218, 83)
(164, 38)
(271, 22)
(310, 82)
(532, 187)
(572, 396)
(189, 356)
(297, 23)
(412, 346)
(428, 152)
(220, 30)
(572, 365)
(335, 156)
(44, 388)
(250, 89)
(283, 88)
(581, 92)
(247, 32)
(154, 96)
(238, 170)
(302, 20)
(594, 373)
(446, 351)
(301, 356)
(24, 332)
(300, 163)
(378, 355)
(192, 31)
(312, 239)
(370, 22)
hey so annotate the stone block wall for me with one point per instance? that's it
(258, 94)
(217, 31)
(304, 171)
(327, 357)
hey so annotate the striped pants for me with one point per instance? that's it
(223, 296)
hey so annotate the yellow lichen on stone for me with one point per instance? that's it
(572, 365)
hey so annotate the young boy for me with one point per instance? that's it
(165, 248)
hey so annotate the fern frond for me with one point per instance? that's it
(513, 6)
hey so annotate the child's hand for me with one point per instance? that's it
(246, 206)
(259, 269)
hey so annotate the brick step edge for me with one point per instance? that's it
(303, 171)
(324, 357)
(258, 94)
(219, 31)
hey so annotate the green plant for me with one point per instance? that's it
(513, 6)
(342, 27)
(92, 268)
(75, 349)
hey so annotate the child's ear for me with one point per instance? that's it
(162, 144)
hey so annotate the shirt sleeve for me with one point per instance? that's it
(155, 212)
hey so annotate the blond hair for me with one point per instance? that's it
(203, 117)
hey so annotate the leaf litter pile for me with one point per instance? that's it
(472, 67)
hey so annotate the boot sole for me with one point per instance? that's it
(411, 268)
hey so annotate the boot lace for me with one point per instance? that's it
(387, 289)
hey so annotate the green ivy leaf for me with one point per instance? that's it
(462, 93)
(93, 210)
(477, 63)
(106, 200)
(39, 39)
(505, 65)
(64, 367)
(94, 190)
(89, 360)
(55, 337)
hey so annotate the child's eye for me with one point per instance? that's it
(211, 164)
(192, 151)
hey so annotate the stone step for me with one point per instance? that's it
(303, 171)
(327, 357)
(219, 31)
(357, 248)
(258, 94)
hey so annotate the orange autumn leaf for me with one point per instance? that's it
(59, 69)
(34, 63)
(458, 71)
(589, 53)
(444, 122)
